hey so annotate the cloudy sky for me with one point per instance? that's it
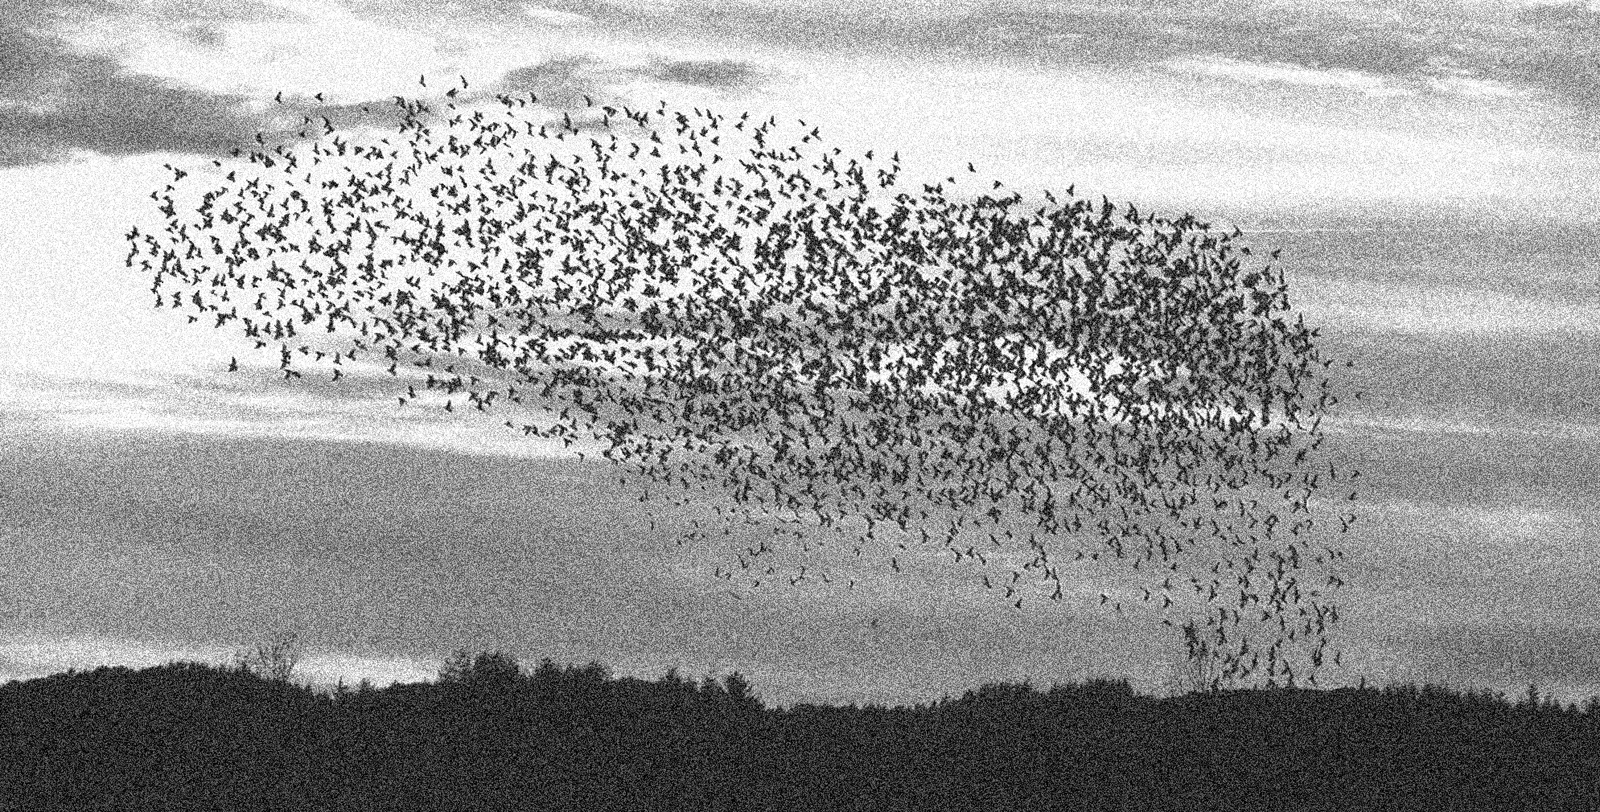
(1428, 169)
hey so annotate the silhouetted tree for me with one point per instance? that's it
(739, 690)
(488, 669)
(116, 738)
(274, 659)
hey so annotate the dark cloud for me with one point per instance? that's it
(209, 36)
(564, 83)
(1568, 65)
(1368, 49)
(1565, 17)
(557, 82)
(55, 99)
(32, 14)
(61, 100)
(723, 74)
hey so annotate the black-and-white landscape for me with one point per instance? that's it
(1423, 178)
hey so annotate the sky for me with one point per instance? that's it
(1427, 170)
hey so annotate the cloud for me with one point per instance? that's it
(208, 36)
(359, 409)
(1286, 73)
(1489, 470)
(1554, 47)
(1464, 46)
(727, 74)
(25, 14)
(1514, 521)
(54, 101)
(564, 81)
(553, 17)
(561, 82)
(1421, 309)
(57, 98)
(1511, 377)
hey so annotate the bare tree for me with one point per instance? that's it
(1192, 676)
(274, 659)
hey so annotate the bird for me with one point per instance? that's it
(728, 376)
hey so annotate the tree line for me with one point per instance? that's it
(489, 734)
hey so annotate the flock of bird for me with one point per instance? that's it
(762, 321)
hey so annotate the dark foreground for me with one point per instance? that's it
(187, 736)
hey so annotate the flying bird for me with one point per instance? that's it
(953, 392)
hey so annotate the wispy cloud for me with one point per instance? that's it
(1521, 383)
(1442, 465)
(1238, 70)
(1413, 308)
(1427, 424)
(1502, 523)
(360, 409)
(1545, 48)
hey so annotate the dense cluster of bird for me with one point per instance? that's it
(760, 320)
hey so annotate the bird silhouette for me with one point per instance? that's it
(735, 316)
